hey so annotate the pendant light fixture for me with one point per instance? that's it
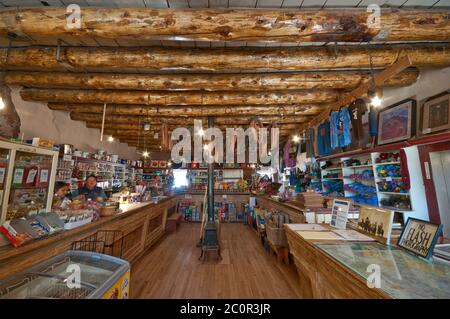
(375, 100)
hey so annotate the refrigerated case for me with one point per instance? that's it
(100, 277)
(27, 178)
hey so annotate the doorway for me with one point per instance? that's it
(440, 166)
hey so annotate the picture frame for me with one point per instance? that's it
(397, 122)
(376, 222)
(154, 163)
(436, 114)
(162, 164)
(419, 237)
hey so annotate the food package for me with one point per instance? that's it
(29, 175)
(43, 177)
(18, 176)
(18, 231)
(2, 174)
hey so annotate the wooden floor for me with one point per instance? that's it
(171, 269)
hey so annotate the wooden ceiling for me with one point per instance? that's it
(280, 67)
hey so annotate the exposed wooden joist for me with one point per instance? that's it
(179, 98)
(245, 59)
(205, 82)
(219, 25)
(138, 129)
(130, 119)
(171, 111)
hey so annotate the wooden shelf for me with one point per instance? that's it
(393, 193)
(388, 163)
(359, 166)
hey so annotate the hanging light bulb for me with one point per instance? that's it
(169, 164)
(110, 139)
(296, 139)
(2, 103)
(375, 101)
(145, 154)
(200, 132)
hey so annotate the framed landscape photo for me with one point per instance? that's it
(419, 237)
(436, 114)
(397, 122)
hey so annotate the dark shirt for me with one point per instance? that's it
(90, 193)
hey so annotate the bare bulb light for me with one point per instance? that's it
(145, 154)
(110, 139)
(2, 103)
(200, 132)
(375, 101)
(296, 138)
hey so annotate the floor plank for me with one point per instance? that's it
(171, 269)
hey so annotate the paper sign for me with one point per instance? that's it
(31, 176)
(419, 237)
(18, 176)
(2, 174)
(43, 178)
(339, 214)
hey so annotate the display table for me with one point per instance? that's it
(339, 269)
(294, 212)
(142, 225)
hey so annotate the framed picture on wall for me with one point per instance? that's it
(436, 114)
(397, 122)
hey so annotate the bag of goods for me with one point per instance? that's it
(43, 176)
(18, 176)
(2, 174)
(29, 175)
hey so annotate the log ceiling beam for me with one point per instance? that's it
(188, 121)
(226, 24)
(203, 82)
(103, 59)
(179, 98)
(165, 111)
(139, 128)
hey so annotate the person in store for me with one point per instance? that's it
(62, 191)
(90, 190)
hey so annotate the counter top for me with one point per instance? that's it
(127, 209)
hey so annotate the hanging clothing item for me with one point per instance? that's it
(344, 127)
(310, 143)
(373, 121)
(334, 126)
(357, 109)
(323, 139)
(340, 128)
(404, 171)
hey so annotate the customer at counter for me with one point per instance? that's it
(90, 190)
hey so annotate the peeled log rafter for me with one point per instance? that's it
(222, 25)
(210, 82)
(165, 111)
(89, 117)
(179, 98)
(254, 59)
(138, 129)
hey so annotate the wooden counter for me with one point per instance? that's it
(142, 225)
(295, 213)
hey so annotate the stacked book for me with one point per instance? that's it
(309, 200)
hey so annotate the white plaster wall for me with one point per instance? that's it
(429, 83)
(37, 120)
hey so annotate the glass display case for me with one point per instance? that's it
(27, 177)
(403, 275)
(100, 276)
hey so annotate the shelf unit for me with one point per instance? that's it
(370, 163)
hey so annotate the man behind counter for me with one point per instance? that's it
(90, 190)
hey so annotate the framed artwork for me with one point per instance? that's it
(419, 237)
(376, 222)
(154, 163)
(397, 122)
(436, 114)
(162, 164)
